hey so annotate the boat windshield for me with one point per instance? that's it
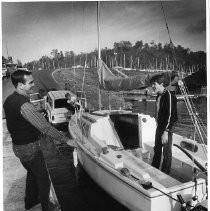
(61, 103)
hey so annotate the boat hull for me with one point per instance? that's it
(105, 167)
(131, 197)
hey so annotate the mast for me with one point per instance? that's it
(99, 48)
(74, 75)
(98, 27)
(7, 51)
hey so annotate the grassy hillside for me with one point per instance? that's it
(74, 81)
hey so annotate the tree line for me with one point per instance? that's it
(141, 56)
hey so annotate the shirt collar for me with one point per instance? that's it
(25, 95)
(164, 91)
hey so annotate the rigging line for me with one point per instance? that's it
(200, 132)
(198, 119)
(194, 120)
(189, 108)
(186, 92)
(83, 81)
(171, 43)
(203, 127)
(166, 22)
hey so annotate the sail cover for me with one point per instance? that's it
(111, 82)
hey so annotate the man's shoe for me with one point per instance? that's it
(29, 206)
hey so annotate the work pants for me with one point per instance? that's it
(37, 179)
(167, 151)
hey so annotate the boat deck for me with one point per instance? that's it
(180, 160)
(155, 174)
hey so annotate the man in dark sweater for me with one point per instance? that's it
(74, 105)
(166, 116)
(26, 125)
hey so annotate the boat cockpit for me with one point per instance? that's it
(126, 126)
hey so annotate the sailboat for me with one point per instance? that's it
(115, 148)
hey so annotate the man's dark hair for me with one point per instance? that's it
(67, 95)
(158, 78)
(18, 77)
(174, 74)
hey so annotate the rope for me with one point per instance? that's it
(202, 126)
(192, 110)
(171, 43)
(193, 114)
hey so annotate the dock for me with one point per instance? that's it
(59, 161)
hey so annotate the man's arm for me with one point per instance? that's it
(30, 113)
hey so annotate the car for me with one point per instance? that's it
(22, 68)
(38, 101)
(11, 67)
(56, 106)
(4, 72)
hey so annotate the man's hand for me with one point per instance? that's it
(72, 143)
(165, 137)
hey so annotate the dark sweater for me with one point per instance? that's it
(167, 114)
(21, 131)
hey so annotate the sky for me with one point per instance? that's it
(33, 29)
